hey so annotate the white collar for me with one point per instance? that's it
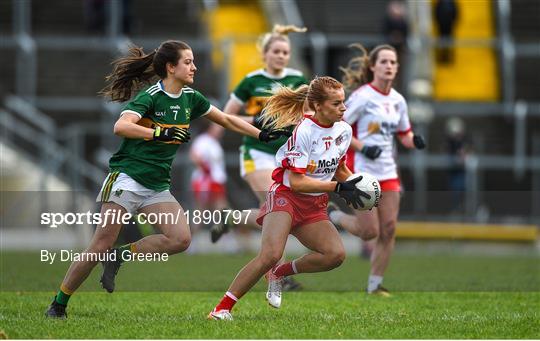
(160, 86)
(281, 75)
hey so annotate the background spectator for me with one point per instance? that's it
(446, 16)
(395, 26)
(458, 148)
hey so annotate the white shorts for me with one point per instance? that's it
(254, 160)
(121, 189)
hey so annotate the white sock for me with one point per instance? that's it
(335, 217)
(293, 265)
(374, 282)
(228, 293)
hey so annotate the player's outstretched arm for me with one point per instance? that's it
(238, 125)
(232, 122)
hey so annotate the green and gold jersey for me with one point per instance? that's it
(147, 161)
(254, 91)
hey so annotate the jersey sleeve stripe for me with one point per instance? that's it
(152, 88)
(293, 137)
(154, 91)
(130, 112)
(404, 132)
(207, 111)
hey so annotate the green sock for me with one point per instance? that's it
(62, 297)
(121, 250)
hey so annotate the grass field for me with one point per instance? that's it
(435, 296)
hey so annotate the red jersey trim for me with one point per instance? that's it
(319, 123)
(291, 142)
(401, 133)
(351, 152)
(343, 160)
(379, 90)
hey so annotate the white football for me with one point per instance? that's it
(371, 186)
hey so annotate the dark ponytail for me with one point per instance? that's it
(132, 72)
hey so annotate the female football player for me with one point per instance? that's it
(153, 124)
(257, 160)
(376, 112)
(296, 202)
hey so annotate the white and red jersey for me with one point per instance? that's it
(375, 117)
(213, 165)
(314, 150)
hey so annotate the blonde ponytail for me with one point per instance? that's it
(279, 32)
(285, 108)
(286, 29)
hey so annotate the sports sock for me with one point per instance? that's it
(285, 269)
(129, 248)
(227, 302)
(335, 217)
(62, 297)
(374, 282)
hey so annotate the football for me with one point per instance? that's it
(371, 186)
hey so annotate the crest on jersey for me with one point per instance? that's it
(339, 139)
(373, 128)
(281, 202)
(311, 167)
(188, 113)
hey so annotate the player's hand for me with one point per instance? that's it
(267, 135)
(371, 152)
(419, 142)
(352, 195)
(176, 134)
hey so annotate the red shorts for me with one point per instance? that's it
(304, 209)
(390, 185)
(207, 191)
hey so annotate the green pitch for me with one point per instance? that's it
(435, 296)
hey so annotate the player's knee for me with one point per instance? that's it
(180, 243)
(369, 233)
(388, 230)
(335, 257)
(270, 258)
